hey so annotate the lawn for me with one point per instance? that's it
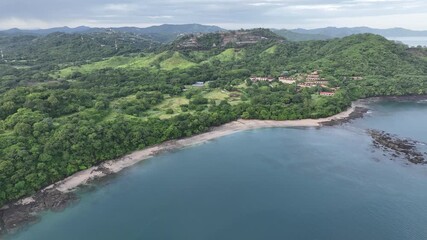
(228, 55)
(176, 61)
(87, 68)
(173, 103)
(271, 50)
(137, 62)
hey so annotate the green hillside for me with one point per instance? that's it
(61, 114)
(176, 61)
(165, 60)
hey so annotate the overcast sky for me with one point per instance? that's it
(231, 14)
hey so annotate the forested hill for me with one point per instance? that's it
(62, 47)
(228, 39)
(68, 103)
(31, 58)
(162, 33)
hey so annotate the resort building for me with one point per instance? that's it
(199, 84)
(314, 76)
(308, 84)
(287, 80)
(256, 79)
(320, 82)
(327, 94)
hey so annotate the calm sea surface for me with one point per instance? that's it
(411, 41)
(299, 183)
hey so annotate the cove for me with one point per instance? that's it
(281, 183)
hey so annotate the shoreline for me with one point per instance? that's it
(115, 166)
(60, 195)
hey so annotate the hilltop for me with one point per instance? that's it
(238, 38)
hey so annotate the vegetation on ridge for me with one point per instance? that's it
(59, 115)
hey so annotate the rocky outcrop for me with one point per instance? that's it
(24, 212)
(404, 148)
(358, 112)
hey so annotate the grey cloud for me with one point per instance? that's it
(232, 13)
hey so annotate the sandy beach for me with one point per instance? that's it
(115, 166)
(58, 196)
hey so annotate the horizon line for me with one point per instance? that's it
(208, 25)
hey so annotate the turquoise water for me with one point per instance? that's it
(297, 183)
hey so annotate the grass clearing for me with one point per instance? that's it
(271, 50)
(112, 62)
(176, 61)
(217, 94)
(137, 62)
(173, 103)
(228, 55)
(144, 62)
(242, 86)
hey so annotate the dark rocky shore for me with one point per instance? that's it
(16, 215)
(358, 112)
(399, 148)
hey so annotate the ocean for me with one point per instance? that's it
(280, 183)
(411, 41)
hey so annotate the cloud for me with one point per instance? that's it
(226, 13)
(120, 7)
(160, 17)
(320, 7)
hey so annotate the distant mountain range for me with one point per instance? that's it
(169, 32)
(162, 33)
(17, 31)
(294, 36)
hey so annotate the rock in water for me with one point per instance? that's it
(406, 148)
(19, 214)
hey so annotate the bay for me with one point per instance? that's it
(282, 183)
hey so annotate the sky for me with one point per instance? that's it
(230, 14)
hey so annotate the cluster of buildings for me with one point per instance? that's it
(313, 80)
(261, 79)
(327, 94)
(240, 38)
(310, 80)
(287, 80)
(191, 42)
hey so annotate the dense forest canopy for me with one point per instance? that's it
(70, 101)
